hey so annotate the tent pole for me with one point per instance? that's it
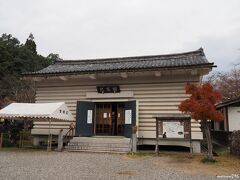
(50, 136)
(48, 146)
(1, 140)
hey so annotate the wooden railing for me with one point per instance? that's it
(69, 133)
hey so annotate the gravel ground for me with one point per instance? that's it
(87, 166)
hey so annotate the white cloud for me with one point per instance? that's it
(223, 50)
(108, 28)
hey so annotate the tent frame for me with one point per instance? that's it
(50, 120)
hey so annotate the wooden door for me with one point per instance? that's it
(120, 119)
(84, 118)
(103, 119)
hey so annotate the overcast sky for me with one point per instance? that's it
(78, 29)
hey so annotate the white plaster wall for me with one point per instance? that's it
(155, 95)
(234, 118)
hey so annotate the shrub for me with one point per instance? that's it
(208, 161)
(235, 143)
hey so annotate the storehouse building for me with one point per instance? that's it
(108, 97)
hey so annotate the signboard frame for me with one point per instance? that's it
(186, 124)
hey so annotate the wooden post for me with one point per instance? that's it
(20, 140)
(190, 136)
(157, 147)
(134, 142)
(1, 140)
(60, 140)
(50, 143)
(134, 139)
(157, 137)
(49, 148)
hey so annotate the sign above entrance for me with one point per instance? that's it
(108, 89)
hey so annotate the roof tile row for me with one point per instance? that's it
(181, 60)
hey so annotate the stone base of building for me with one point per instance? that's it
(40, 140)
(194, 145)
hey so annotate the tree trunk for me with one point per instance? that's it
(207, 132)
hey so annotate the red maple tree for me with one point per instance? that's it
(201, 106)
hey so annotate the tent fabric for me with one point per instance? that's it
(37, 111)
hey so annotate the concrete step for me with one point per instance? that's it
(90, 144)
(98, 151)
(100, 144)
(103, 139)
(69, 148)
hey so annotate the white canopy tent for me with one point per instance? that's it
(38, 112)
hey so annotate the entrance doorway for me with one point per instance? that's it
(110, 119)
(95, 118)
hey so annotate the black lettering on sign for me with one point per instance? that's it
(108, 89)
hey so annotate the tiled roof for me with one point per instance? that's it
(169, 61)
(231, 102)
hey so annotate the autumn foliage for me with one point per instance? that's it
(201, 103)
(201, 106)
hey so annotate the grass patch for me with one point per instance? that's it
(177, 156)
(223, 152)
(16, 149)
(9, 149)
(139, 155)
(208, 161)
(127, 173)
(197, 164)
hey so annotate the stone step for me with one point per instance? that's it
(70, 148)
(125, 149)
(98, 151)
(100, 144)
(84, 144)
(97, 142)
(91, 145)
(97, 139)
